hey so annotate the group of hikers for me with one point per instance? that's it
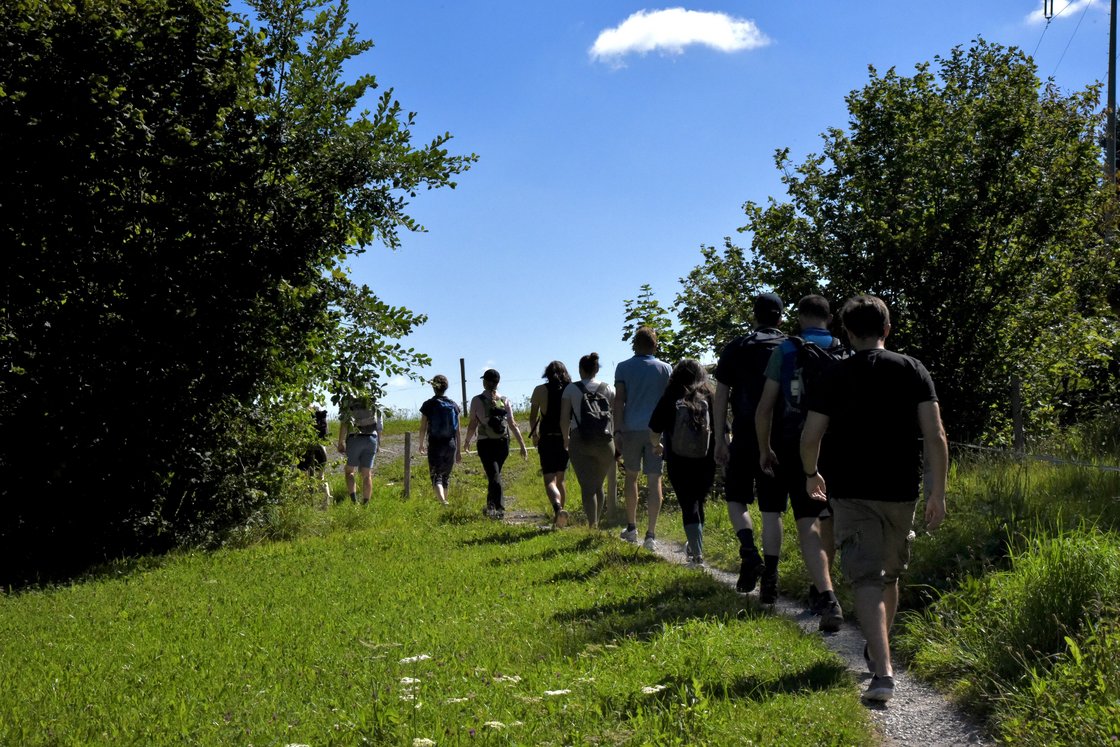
(845, 434)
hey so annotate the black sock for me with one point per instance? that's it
(831, 596)
(631, 528)
(771, 563)
(813, 590)
(746, 537)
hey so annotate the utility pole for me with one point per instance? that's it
(1110, 114)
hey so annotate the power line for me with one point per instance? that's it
(1074, 34)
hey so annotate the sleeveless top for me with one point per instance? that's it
(550, 421)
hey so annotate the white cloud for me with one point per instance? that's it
(1063, 9)
(673, 29)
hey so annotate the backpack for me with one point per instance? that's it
(594, 419)
(443, 424)
(747, 391)
(691, 439)
(496, 415)
(810, 362)
(321, 423)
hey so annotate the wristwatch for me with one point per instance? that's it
(814, 473)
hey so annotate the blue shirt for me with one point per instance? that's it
(645, 379)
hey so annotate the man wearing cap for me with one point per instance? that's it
(359, 434)
(740, 376)
(492, 418)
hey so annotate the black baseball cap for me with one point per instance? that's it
(491, 375)
(768, 302)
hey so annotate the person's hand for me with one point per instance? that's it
(524, 451)
(535, 438)
(341, 448)
(421, 449)
(767, 462)
(458, 457)
(935, 511)
(722, 451)
(658, 449)
(816, 487)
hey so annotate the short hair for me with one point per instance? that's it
(557, 373)
(589, 364)
(814, 306)
(645, 339)
(865, 317)
(439, 383)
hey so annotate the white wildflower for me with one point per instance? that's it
(495, 724)
(556, 692)
(507, 678)
(651, 689)
(409, 681)
(423, 742)
(449, 701)
(414, 659)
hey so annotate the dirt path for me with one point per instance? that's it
(917, 715)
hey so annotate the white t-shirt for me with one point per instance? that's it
(575, 396)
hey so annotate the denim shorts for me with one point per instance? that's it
(360, 450)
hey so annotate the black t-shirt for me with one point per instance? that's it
(742, 368)
(871, 400)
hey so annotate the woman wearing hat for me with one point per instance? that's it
(492, 419)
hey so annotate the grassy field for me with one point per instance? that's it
(408, 623)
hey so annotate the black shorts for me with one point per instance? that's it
(792, 476)
(554, 457)
(744, 480)
(441, 460)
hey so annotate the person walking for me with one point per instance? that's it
(639, 382)
(787, 377)
(586, 429)
(492, 418)
(874, 405)
(439, 436)
(544, 432)
(359, 435)
(740, 376)
(680, 430)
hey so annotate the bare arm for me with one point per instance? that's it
(618, 411)
(422, 448)
(341, 436)
(538, 406)
(815, 426)
(937, 461)
(763, 422)
(474, 419)
(565, 419)
(513, 427)
(719, 421)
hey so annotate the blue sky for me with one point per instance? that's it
(615, 138)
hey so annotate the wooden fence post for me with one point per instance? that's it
(407, 464)
(1018, 438)
(463, 378)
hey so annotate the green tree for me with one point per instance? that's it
(971, 201)
(647, 311)
(183, 193)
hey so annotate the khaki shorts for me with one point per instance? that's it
(873, 538)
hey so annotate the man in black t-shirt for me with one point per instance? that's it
(874, 406)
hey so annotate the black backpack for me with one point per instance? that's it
(747, 391)
(496, 416)
(321, 423)
(594, 419)
(810, 363)
(692, 433)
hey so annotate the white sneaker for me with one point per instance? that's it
(561, 519)
(650, 544)
(630, 535)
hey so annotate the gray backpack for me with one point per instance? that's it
(692, 434)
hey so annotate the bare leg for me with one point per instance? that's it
(771, 533)
(812, 550)
(871, 608)
(630, 489)
(367, 484)
(350, 488)
(654, 498)
(739, 516)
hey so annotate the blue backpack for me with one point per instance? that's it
(443, 424)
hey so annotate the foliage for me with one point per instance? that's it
(716, 301)
(182, 196)
(647, 311)
(984, 639)
(971, 201)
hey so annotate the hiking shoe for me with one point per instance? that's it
(696, 561)
(650, 544)
(831, 618)
(817, 601)
(880, 690)
(630, 535)
(768, 591)
(748, 573)
(867, 660)
(561, 519)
